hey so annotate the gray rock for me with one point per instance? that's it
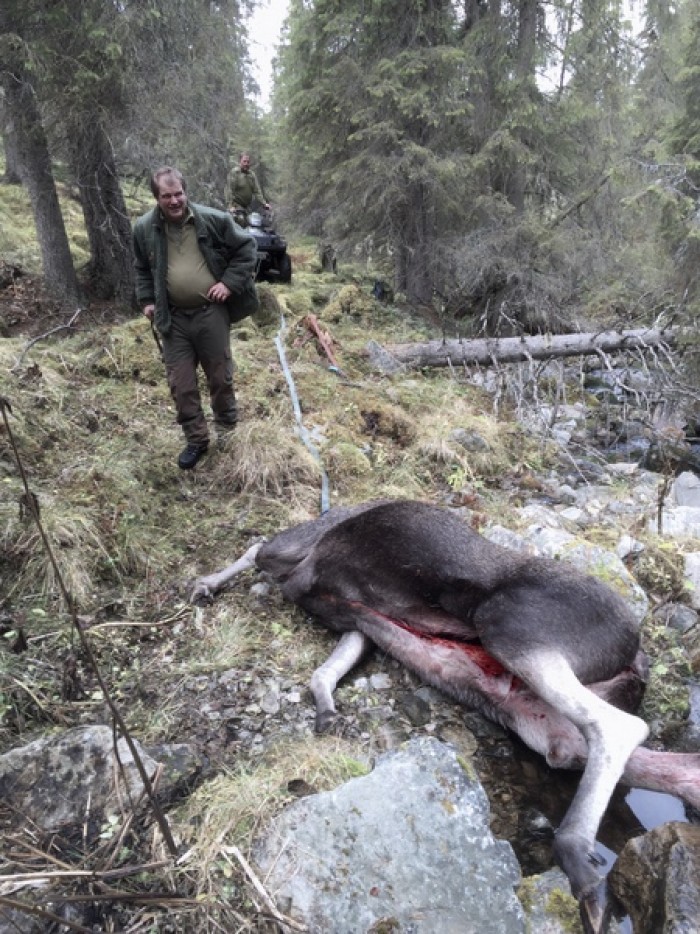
(269, 697)
(261, 589)
(380, 681)
(592, 559)
(470, 440)
(407, 845)
(552, 907)
(381, 359)
(71, 778)
(416, 708)
(677, 521)
(575, 515)
(546, 537)
(686, 490)
(689, 731)
(691, 645)
(677, 616)
(628, 546)
(692, 577)
(508, 539)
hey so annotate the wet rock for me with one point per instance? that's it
(537, 824)
(408, 845)
(656, 879)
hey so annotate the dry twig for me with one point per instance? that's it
(284, 921)
(41, 337)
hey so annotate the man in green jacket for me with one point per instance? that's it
(244, 186)
(194, 276)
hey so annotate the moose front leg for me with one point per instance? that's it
(353, 646)
(205, 587)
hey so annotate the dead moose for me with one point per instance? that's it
(540, 648)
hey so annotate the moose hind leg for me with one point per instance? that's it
(611, 735)
(348, 653)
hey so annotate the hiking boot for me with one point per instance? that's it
(189, 457)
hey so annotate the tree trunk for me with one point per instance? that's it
(525, 77)
(110, 270)
(413, 247)
(33, 164)
(513, 349)
(11, 176)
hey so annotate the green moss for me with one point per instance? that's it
(563, 906)
(660, 569)
(559, 904)
(666, 699)
(468, 767)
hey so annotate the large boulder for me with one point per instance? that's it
(407, 847)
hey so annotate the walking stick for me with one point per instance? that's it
(157, 340)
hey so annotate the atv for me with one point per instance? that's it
(273, 262)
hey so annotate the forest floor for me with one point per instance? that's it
(92, 433)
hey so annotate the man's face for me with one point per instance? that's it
(245, 163)
(172, 199)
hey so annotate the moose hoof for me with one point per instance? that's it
(579, 861)
(595, 912)
(325, 719)
(201, 594)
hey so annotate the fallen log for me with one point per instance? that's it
(487, 351)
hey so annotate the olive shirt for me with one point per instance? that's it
(189, 278)
(243, 187)
(229, 253)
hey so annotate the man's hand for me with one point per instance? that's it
(149, 311)
(219, 293)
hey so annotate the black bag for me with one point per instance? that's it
(245, 304)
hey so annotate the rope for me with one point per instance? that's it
(303, 433)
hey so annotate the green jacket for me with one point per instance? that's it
(243, 187)
(229, 252)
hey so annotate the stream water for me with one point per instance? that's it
(528, 800)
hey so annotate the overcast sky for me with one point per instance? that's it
(264, 29)
(266, 22)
